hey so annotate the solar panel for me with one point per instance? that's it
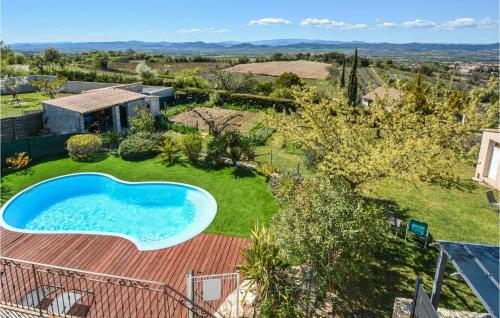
(479, 267)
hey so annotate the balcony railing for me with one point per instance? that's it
(49, 291)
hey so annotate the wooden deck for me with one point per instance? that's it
(205, 253)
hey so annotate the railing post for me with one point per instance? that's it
(190, 292)
(438, 278)
(237, 293)
(36, 288)
(415, 296)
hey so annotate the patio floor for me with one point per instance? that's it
(205, 253)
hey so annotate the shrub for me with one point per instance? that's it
(262, 102)
(18, 161)
(324, 225)
(260, 137)
(249, 146)
(268, 275)
(288, 79)
(111, 139)
(143, 121)
(138, 146)
(234, 144)
(267, 170)
(83, 146)
(191, 146)
(196, 95)
(189, 78)
(145, 72)
(216, 150)
(170, 151)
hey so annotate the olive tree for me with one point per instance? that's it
(49, 86)
(13, 85)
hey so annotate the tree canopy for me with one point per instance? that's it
(420, 138)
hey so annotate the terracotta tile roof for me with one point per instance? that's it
(91, 101)
(383, 92)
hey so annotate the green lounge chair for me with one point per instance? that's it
(419, 229)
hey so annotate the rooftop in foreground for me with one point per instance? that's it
(91, 101)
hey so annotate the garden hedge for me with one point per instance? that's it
(200, 95)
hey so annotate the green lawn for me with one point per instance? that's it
(242, 196)
(452, 214)
(28, 101)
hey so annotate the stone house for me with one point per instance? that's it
(488, 165)
(105, 109)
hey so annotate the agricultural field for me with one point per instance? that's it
(305, 69)
(129, 67)
(242, 121)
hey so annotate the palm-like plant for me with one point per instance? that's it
(170, 152)
(268, 275)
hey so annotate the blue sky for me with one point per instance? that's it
(458, 21)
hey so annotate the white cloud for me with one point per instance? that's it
(149, 31)
(419, 23)
(387, 25)
(205, 30)
(458, 23)
(269, 21)
(333, 24)
(466, 23)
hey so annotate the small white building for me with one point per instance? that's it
(105, 109)
(488, 165)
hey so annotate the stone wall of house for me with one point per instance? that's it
(154, 104)
(62, 121)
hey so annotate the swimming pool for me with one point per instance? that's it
(152, 215)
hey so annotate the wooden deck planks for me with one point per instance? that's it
(206, 253)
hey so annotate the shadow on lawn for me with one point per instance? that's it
(394, 274)
(240, 173)
(6, 192)
(389, 206)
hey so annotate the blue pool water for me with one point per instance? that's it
(152, 215)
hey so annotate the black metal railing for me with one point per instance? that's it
(47, 291)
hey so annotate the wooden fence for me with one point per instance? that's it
(21, 126)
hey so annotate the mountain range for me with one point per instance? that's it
(271, 46)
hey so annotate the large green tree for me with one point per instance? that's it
(352, 87)
(328, 228)
(422, 137)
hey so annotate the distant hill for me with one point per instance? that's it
(410, 51)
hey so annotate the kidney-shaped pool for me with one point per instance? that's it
(152, 215)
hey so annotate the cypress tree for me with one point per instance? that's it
(352, 88)
(342, 76)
